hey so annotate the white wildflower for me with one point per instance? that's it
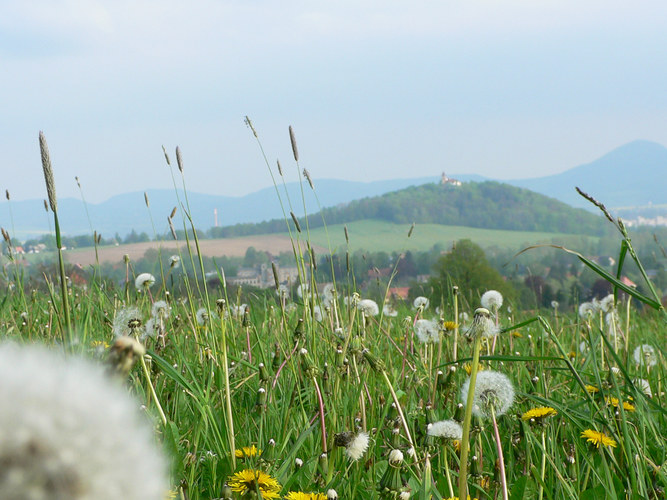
(446, 429)
(144, 281)
(607, 303)
(587, 310)
(421, 303)
(643, 385)
(395, 457)
(332, 494)
(482, 325)
(303, 291)
(317, 313)
(645, 355)
(66, 431)
(174, 261)
(202, 316)
(160, 310)
(427, 331)
(368, 307)
(389, 311)
(492, 300)
(357, 446)
(128, 321)
(492, 390)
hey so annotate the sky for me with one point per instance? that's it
(373, 89)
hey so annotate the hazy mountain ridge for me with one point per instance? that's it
(633, 175)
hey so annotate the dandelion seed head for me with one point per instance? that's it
(389, 311)
(144, 281)
(446, 429)
(369, 307)
(644, 355)
(587, 310)
(160, 310)
(395, 457)
(357, 446)
(644, 386)
(482, 325)
(127, 321)
(492, 300)
(66, 431)
(606, 305)
(492, 390)
(421, 303)
(427, 331)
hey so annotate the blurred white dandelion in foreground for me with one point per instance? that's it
(67, 432)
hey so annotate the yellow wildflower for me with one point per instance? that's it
(247, 451)
(537, 414)
(598, 438)
(450, 326)
(627, 406)
(299, 495)
(251, 480)
(592, 389)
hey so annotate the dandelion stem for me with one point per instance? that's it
(463, 470)
(501, 458)
(540, 490)
(152, 391)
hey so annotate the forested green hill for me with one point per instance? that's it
(490, 205)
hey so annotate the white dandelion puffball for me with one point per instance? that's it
(587, 310)
(395, 456)
(427, 331)
(644, 355)
(482, 325)
(144, 281)
(368, 307)
(127, 321)
(554, 304)
(160, 310)
(492, 389)
(317, 314)
(357, 446)
(303, 290)
(202, 316)
(607, 304)
(389, 311)
(446, 429)
(175, 261)
(67, 432)
(421, 303)
(492, 300)
(643, 385)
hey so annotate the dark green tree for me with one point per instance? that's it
(466, 266)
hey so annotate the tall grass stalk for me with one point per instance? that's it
(53, 203)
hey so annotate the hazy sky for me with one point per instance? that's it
(373, 89)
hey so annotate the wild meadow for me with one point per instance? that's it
(317, 392)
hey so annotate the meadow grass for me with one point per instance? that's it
(382, 236)
(328, 390)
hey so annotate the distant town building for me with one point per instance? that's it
(261, 276)
(449, 180)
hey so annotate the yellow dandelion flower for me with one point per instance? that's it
(457, 498)
(627, 406)
(539, 413)
(598, 438)
(592, 389)
(517, 335)
(468, 367)
(251, 480)
(457, 445)
(99, 343)
(299, 495)
(450, 326)
(247, 451)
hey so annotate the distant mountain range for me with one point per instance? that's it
(632, 175)
(629, 176)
